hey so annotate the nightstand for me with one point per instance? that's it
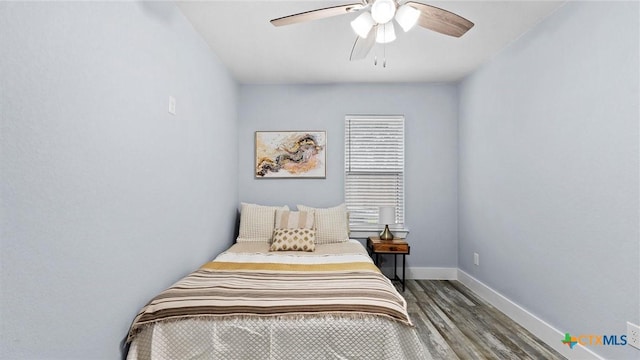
(375, 246)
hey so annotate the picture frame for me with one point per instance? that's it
(290, 154)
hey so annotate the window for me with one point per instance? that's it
(374, 169)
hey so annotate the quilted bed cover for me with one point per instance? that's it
(250, 303)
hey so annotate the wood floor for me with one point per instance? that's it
(454, 323)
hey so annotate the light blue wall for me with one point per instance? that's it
(431, 152)
(106, 198)
(548, 169)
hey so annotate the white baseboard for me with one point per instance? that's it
(529, 321)
(432, 273)
(424, 273)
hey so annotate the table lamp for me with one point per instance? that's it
(386, 216)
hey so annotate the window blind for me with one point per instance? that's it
(374, 168)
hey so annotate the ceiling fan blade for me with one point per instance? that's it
(316, 14)
(362, 46)
(440, 20)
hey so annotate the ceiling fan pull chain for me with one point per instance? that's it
(384, 55)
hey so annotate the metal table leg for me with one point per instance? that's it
(404, 261)
(395, 266)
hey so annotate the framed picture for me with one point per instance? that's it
(291, 154)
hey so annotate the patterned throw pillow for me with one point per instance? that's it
(286, 219)
(257, 222)
(293, 240)
(332, 225)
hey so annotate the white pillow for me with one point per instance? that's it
(257, 222)
(331, 224)
(286, 219)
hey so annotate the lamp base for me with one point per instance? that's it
(386, 234)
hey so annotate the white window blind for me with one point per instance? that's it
(374, 168)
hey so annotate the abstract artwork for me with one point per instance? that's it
(291, 154)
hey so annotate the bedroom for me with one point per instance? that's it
(531, 161)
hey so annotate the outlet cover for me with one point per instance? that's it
(633, 335)
(476, 259)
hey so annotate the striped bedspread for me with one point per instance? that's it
(259, 284)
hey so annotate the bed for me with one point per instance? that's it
(251, 302)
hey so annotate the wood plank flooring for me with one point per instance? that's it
(454, 323)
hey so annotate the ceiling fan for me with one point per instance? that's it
(376, 23)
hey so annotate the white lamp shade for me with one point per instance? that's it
(387, 215)
(382, 11)
(385, 33)
(407, 17)
(362, 24)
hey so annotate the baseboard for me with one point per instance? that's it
(529, 321)
(425, 273)
(432, 273)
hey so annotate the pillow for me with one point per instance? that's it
(348, 228)
(286, 219)
(293, 240)
(257, 222)
(331, 224)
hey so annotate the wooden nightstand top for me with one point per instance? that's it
(395, 246)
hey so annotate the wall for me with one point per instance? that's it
(106, 198)
(548, 170)
(431, 152)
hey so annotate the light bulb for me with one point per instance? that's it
(385, 33)
(362, 24)
(382, 11)
(407, 17)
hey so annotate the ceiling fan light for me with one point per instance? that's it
(362, 24)
(407, 17)
(385, 33)
(382, 11)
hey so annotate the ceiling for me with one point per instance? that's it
(257, 52)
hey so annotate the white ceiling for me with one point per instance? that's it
(257, 52)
